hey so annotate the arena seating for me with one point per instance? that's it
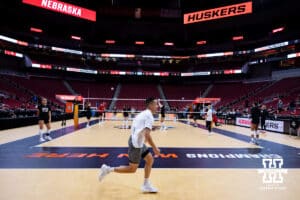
(288, 89)
(43, 86)
(136, 91)
(228, 92)
(281, 87)
(94, 90)
(183, 92)
(18, 92)
(14, 96)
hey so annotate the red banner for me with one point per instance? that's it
(64, 8)
(69, 97)
(217, 13)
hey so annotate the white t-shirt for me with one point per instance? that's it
(209, 115)
(141, 121)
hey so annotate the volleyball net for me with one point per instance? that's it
(114, 108)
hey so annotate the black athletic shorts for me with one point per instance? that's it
(196, 116)
(46, 120)
(255, 121)
(136, 154)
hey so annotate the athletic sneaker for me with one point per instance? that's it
(103, 172)
(147, 187)
(252, 141)
(47, 137)
(42, 139)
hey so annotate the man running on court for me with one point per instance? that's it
(140, 133)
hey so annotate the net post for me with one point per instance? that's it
(75, 117)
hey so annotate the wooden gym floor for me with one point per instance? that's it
(193, 164)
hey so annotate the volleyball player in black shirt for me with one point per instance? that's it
(294, 126)
(263, 116)
(88, 114)
(115, 112)
(44, 117)
(125, 115)
(162, 116)
(255, 115)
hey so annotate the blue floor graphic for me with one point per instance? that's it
(23, 154)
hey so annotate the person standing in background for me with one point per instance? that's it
(44, 116)
(263, 116)
(209, 119)
(88, 114)
(255, 114)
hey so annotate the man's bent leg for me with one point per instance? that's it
(131, 168)
(148, 165)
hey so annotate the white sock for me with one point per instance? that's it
(41, 132)
(111, 169)
(126, 123)
(146, 181)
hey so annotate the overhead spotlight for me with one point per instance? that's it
(37, 30)
(278, 30)
(110, 41)
(139, 42)
(75, 37)
(240, 37)
(169, 44)
(201, 42)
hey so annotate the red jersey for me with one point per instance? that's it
(101, 108)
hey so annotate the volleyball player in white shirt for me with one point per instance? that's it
(209, 119)
(140, 134)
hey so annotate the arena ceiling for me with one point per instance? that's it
(160, 21)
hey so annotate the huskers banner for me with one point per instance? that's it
(217, 13)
